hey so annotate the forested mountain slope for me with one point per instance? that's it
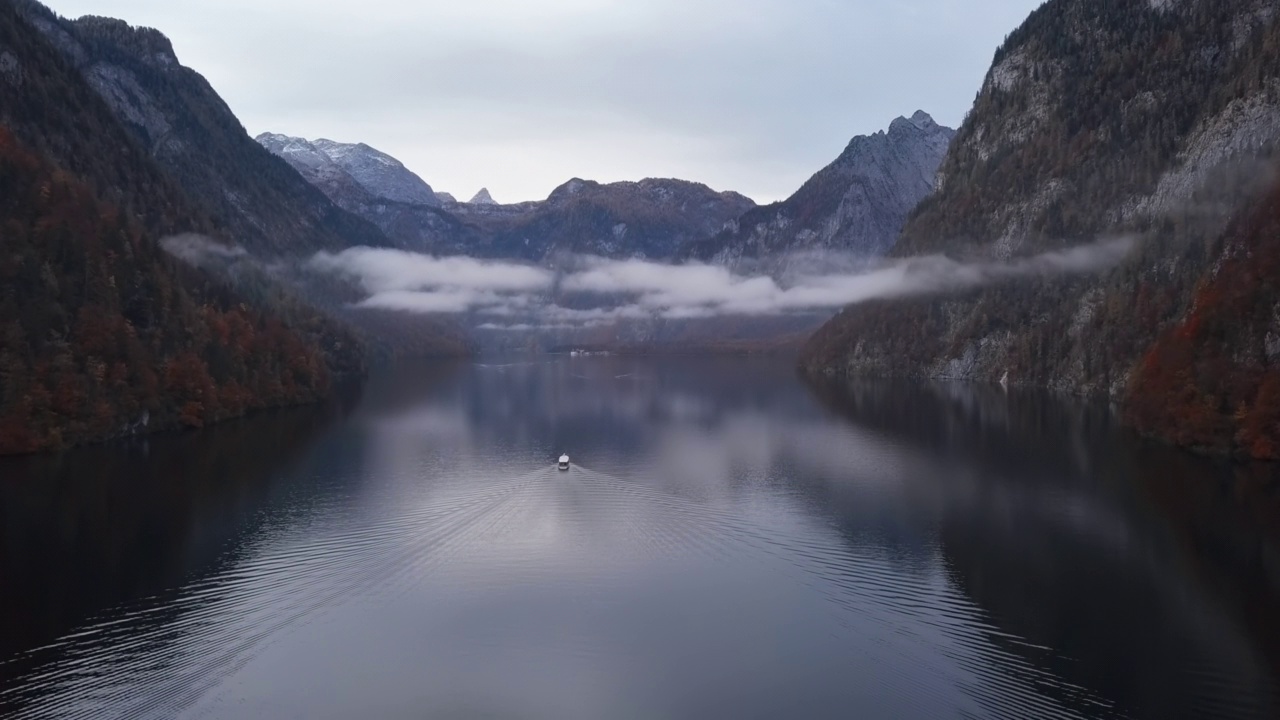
(1097, 119)
(1212, 380)
(101, 333)
(184, 125)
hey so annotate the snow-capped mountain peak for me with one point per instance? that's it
(381, 175)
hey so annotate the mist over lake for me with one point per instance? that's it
(646, 360)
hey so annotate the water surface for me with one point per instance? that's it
(730, 542)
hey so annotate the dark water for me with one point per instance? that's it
(730, 543)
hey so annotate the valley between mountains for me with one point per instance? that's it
(1104, 223)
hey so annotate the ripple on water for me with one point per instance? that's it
(927, 646)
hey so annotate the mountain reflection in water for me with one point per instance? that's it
(730, 542)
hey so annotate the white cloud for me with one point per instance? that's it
(440, 301)
(410, 282)
(526, 327)
(693, 291)
(382, 271)
(200, 250)
(606, 291)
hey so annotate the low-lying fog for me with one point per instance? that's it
(584, 292)
(588, 291)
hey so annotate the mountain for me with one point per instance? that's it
(317, 168)
(258, 202)
(857, 204)
(379, 173)
(651, 218)
(104, 334)
(1157, 121)
(184, 125)
(333, 167)
(386, 194)
(483, 198)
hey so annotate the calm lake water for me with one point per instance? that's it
(730, 543)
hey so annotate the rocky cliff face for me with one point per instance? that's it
(483, 198)
(243, 193)
(1153, 120)
(337, 168)
(102, 334)
(377, 188)
(652, 218)
(857, 204)
(187, 128)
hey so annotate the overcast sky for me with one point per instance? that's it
(520, 96)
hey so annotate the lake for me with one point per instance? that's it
(730, 542)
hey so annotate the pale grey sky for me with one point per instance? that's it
(520, 96)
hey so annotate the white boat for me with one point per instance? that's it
(564, 462)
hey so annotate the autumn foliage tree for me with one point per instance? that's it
(105, 335)
(1098, 120)
(1213, 380)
